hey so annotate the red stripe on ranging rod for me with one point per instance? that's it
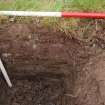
(83, 15)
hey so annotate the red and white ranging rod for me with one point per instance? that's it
(53, 14)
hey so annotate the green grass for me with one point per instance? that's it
(66, 25)
(87, 5)
(53, 5)
(37, 5)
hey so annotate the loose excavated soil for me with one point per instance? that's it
(47, 67)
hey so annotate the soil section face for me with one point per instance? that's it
(46, 67)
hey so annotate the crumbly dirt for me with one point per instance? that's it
(47, 67)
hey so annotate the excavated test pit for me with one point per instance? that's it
(43, 64)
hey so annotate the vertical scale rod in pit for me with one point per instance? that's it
(3, 70)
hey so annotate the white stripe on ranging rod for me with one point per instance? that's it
(31, 13)
(5, 74)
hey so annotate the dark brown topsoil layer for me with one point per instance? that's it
(48, 68)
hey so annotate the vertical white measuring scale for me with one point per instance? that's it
(3, 70)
